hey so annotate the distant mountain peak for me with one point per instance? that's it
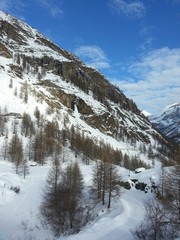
(172, 106)
(146, 114)
(168, 123)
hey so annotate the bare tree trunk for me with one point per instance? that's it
(110, 186)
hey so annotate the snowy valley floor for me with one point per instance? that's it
(19, 213)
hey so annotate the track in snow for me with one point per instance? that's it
(19, 219)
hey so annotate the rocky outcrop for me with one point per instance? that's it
(12, 31)
(4, 51)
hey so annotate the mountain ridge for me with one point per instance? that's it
(168, 123)
(61, 81)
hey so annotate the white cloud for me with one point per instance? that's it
(132, 9)
(93, 56)
(146, 33)
(10, 6)
(52, 9)
(157, 80)
(16, 6)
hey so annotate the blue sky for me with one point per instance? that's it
(135, 44)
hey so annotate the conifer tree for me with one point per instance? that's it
(71, 193)
(106, 181)
(16, 151)
(24, 168)
(39, 147)
(5, 148)
(63, 206)
(50, 205)
(37, 114)
(172, 192)
(11, 83)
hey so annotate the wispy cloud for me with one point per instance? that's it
(16, 7)
(93, 56)
(131, 9)
(53, 9)
(156, 80)
(4, 5)
(11, 6)
(146, 33)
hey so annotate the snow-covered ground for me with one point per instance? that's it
(19, 213)
(116, 224)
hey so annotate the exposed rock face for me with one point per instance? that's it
(4, 51)
(11, 31)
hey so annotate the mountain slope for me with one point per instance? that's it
(55, 106)
(36, 72)
(168, 123)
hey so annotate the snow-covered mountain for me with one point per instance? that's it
(55, 106)
(146, 114)
(168, 123)
(56, 79)
(37, 74)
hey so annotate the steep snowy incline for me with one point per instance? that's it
(27, 40)
(54, 79)
(168, 123)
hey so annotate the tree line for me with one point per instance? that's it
(44, 139)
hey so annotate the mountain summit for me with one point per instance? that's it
(35, 72)
(168, 123)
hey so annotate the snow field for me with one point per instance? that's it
(20, 217)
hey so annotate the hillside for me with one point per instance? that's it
(52, 78)
(168, 123)
(54, 107)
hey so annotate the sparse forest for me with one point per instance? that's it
(39, 137)
(63, 206)
(86, 143)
